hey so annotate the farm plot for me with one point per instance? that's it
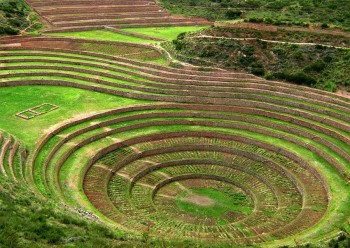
(12, 157)
(142, 52)
(137, 163)
(90, 14)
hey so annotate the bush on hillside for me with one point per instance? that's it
(299, 78)
(15, 16)
(233, 14)
(8, 30)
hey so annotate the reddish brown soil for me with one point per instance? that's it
(90, 14)
(343, 93)
(199, 200)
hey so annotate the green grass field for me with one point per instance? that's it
(169, 33)
(72, 102)
(102, 35)
(222, 202)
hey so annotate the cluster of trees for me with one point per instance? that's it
(315, 66)
(16, 16)
(277, 12)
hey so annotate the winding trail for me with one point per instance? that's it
(269, 41)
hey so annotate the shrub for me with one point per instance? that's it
(9, 30)
(320, 47)
(178, 44)
(258, 71)
(324, 26)
(329, 86)
(255, 20)
(233, 14)
(205, 69)
(318, 66)
(298, 78)
(328, 59)
(181, 36)
(175, 64)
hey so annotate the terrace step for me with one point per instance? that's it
(63, 14)
(237, 134)
(11, 159)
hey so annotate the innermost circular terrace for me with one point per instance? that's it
(199, 200)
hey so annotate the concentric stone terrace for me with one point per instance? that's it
(12, 157)
(91, 14)
(160, 170)
(221, 155)
(137, 162)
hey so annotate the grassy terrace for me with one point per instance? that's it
(102, 35)
(72, 102)
(135, 82)
(76, 160)
(180, 128)
(166, 152)
(168, 33)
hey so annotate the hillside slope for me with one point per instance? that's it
(17, 18)
(281, 12)
(316, 60)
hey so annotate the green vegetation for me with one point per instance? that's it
(102, 35)
(62, 178)
(287, 34)
(144, 54)
(27, 221)
(320, 66)
(71, 102)
(277, 12)
(160, 129)
(210, 9)
(170, 171)
(223, 202)
(47, 224)
(16, 17)
(169, 33)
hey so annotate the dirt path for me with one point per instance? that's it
(271, 28)
(269, 41)
(170, 58)
(343, 93)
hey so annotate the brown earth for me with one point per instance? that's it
(90, 14)
(199, 200)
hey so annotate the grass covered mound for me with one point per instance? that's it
(16, 18)
(272, 55)
(276, 12)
